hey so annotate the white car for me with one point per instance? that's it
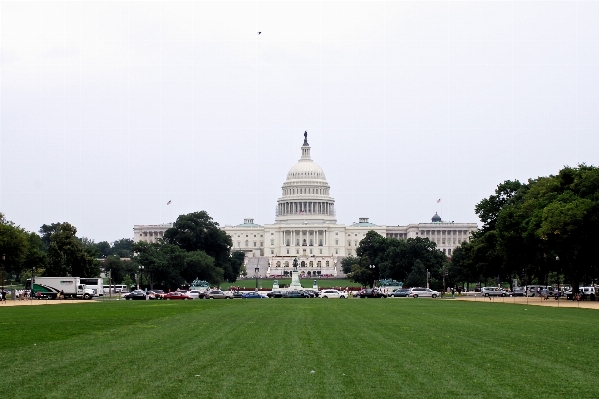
(423, 292)
(194, 294)
(332, 294)
(493, 291)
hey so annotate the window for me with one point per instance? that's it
(272, 241)
(349, 252)
(288, 251)
(337, 251)
(356, 243)
(320, 251)
(311, 264)
(288, 242)
(261, 244)
(336, 241)
(297, 242)
(327, 263)
(310, 251)
(272, 251)
(449, 252)
(279, 263)
(287, 263)
(238, 244)
(319, 263)
(254, 244)
(297, 251)
(247, 243)
(348, 243)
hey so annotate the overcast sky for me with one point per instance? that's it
(110, 110)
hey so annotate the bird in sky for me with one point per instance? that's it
(259, 33)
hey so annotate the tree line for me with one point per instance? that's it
(195, 247)
(544, 231)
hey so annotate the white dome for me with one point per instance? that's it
(305, 169)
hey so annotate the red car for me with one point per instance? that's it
(176, 295)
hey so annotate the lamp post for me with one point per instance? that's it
(3, 259)
(372, 267)
(256, 271)
(427, 277)
(139, 282)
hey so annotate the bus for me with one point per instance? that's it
(118, 288)
(96, 284)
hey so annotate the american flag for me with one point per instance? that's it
(169, 202)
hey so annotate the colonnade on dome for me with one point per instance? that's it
(305, 208)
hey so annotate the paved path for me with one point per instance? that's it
(535, 301)
(34, 302)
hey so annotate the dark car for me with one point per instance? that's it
(237, 294)
(177, 295)
(372, 293)
(400, 293)
(295, 294)
(137, 295)
(253, 295)
(275, 294)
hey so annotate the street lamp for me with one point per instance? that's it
(427, 277)
(139, 282)
(372, 267)
(256, 271)
(3, 259)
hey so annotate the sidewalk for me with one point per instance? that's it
(534, 301)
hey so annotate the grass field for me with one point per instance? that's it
(298, 348)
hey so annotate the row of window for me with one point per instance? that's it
(319, 191)
(304, 264)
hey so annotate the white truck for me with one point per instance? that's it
(52, 287)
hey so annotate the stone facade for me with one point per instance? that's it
(306, 228)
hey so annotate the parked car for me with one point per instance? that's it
(400, 293)
(275, 294)
(176, 295)
(218, 294)
(137, 295)
(158, 294)
(310, 294)
(423, 292)
(195, 294)
(493, 291)
(372, 293)
(332, 294)
(237, 294)
(295, 294)
(253, 295)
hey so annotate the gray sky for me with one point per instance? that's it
(110, 110)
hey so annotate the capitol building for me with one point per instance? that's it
(306, 228)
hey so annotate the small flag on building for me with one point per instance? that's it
(169, 202)
(439, 200)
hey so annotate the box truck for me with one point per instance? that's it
(51, 287)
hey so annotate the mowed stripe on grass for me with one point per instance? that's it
(298, 348)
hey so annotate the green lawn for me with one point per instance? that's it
(298, 348)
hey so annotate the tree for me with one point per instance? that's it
(67, 256)
(14, 246)
(348, 262)
(198, 232)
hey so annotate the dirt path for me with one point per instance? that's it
(35, 302)
(535, 301)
